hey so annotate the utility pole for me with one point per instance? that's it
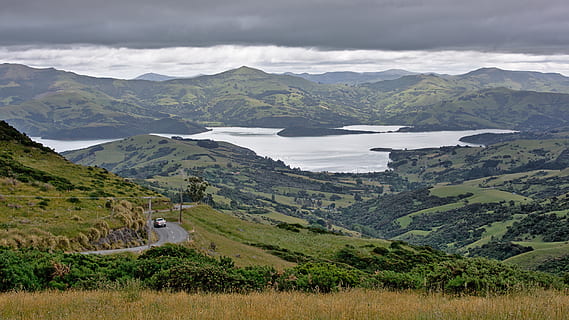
(149, 222)
(181, 203)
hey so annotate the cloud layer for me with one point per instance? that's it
(128, 63)
(524, 26)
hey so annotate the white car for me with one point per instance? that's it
(159, 223)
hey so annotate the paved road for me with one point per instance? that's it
(172, 233)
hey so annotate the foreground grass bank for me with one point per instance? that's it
(355, 304)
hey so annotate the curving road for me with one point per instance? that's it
(172, 233)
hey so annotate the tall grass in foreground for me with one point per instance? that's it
(354, 304)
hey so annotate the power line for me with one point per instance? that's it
(67, 197)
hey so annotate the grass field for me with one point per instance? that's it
(356, 304)
(231, 237)
(543, 251)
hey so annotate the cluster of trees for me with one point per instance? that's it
(379, 214)
(245, 183)
(499, 250)
(174, 267)
(550, 227)
(459, 227)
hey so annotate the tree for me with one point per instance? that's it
(196, 188)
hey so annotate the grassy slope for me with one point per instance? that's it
(232, 236)
(543, 252)
(486, 98)
(54, 197)
(466, 163)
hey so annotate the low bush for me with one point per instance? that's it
(319, 277)
(193, 277)
(394, 280)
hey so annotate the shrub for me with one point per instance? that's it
(290, 227)
(380, 250)
(74, 200)
(254, 278)
(173, 250)
(394, 280)
(480, 276)
(192, 277)
(319, 277)
(16, 273)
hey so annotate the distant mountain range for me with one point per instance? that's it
(64, 105)
(348, 77)
(343, 77)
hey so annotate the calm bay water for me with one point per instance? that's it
(67, 145)
(340, 153)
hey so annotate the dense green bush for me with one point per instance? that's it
(394, 280)
(319, 277)
(481, 276)
(499, 250)
(254, 278)
(15, 273)
(193, 277)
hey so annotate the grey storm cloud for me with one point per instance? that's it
(534, 26)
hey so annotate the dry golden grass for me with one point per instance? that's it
(356, 304)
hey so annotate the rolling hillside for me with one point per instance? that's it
(64, 105)
(57, 104)
(508, 200)
(466, 200)
(242, 183)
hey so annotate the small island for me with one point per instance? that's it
(382, 149)
(318, 132)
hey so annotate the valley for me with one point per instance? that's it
(284, 160)
(467, 200)
(428, 207)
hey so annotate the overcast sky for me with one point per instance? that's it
(125, 38)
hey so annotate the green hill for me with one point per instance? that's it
(64, 105)
(48, 202)
(57, 104)
(464, 102)
(516, 80)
